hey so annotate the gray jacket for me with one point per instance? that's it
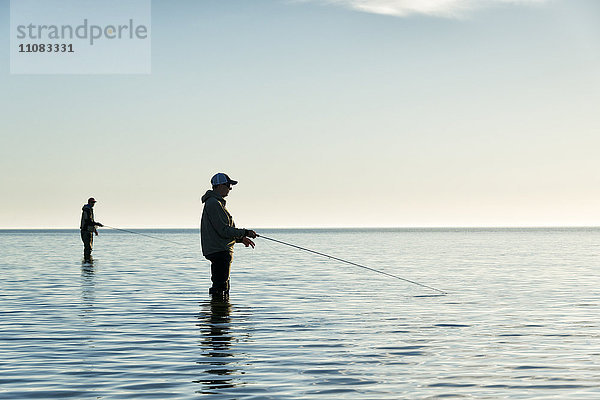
(87, 219)
(217, 229)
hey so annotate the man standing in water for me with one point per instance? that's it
(219, 234)
(88, 228)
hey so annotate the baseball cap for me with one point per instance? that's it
(91, 200)
(221, 179)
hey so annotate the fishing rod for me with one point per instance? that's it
(351, 263)
(143, 234)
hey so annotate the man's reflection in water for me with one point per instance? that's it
(216, 346)
(87, 285)
(87, 328)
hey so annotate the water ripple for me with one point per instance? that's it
(140, 324)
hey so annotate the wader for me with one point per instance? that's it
(87, 226)
(220, 265)
(88, 241)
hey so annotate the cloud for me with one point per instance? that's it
(440, 8)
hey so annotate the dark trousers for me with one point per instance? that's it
(220, 265)
(88, 241)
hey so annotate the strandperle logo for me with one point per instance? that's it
(80, 36)
(91, 32)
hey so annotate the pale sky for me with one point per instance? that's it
(345, 113)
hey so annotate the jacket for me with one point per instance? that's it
(87, 219)
(217, 229)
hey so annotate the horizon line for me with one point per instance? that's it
(338, 227)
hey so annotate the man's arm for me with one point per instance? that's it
(95, 225)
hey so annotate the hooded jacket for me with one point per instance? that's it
(217, 229)
(87, 219)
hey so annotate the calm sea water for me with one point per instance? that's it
(521, 318)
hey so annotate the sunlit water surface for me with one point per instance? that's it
(520, 320)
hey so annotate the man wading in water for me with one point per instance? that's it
(88, 228)
(219, 234)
